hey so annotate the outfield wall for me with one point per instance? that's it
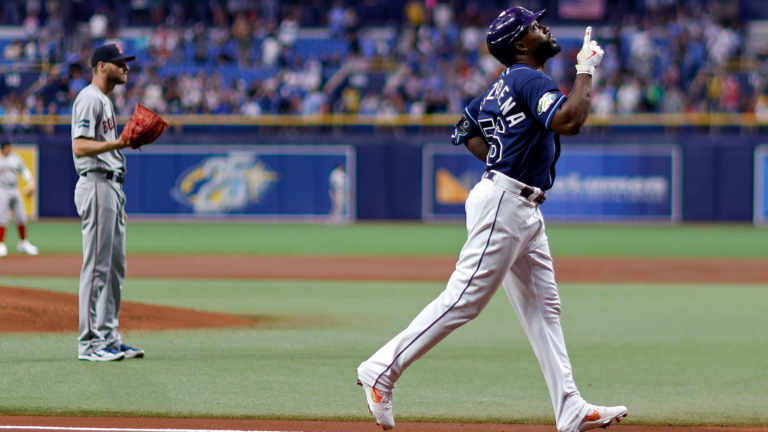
(716, 175)
(595, 183)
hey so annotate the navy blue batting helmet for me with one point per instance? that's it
(510, 24)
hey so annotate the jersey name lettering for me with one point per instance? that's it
(507, 105)
(516, 118)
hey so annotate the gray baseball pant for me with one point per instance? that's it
(10, 199)
(100, 203)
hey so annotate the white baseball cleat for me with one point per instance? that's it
(602, 417)
(380, 405)
(24, 246)
(3, 250)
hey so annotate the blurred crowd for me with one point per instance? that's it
(240, 57)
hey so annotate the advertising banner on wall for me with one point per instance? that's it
(29, 154)
(594, 183)
(761, 185)
(251, 181)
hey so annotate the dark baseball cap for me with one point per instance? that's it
(109, 53)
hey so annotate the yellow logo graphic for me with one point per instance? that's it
(592, 416)
(29, 154)
(376, 395)
(223, 184)
(451, 190)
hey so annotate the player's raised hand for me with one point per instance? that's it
(590, 55)
(587, 38)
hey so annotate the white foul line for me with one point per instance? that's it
(96, 429)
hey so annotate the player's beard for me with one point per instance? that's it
(545, 51)
(119, 79)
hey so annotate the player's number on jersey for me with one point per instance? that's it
(489, 128)
(493, 128)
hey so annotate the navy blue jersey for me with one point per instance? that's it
(514, 115)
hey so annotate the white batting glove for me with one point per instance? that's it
(590, 55)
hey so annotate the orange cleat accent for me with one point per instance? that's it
(592, 416)
(376, 394)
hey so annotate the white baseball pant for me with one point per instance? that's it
(10, 199)
(506, 244)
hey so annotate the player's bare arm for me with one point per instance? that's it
(87, 147)
(574, 112)
(535, 46)
(477, 147)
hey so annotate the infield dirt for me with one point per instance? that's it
(607, 269)
(292, 425)
(29, 310)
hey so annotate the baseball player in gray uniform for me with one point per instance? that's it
(11, 166)
(100, 203)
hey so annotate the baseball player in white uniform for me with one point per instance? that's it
(338, 193)
(514, 127)
(100, 203)
(11, 166)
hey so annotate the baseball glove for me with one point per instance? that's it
(144, 127)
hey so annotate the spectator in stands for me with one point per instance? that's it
(30, 50)
(49, 129)
(288, 30)
(730, 94)
(241, 32)
(603, 99)
(172, 96)
(628, 96)
(153, 96)
(31, 25)
(251, 107)
(337, 19)
(113, 38)
(98, 25)
(76, 82)
(13, 50)
(673, 100)
(675, 59)
(370, 103)
(270, 51)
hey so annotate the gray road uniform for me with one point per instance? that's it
(10, 197)
(100, 203)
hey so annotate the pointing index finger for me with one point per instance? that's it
(587, 37)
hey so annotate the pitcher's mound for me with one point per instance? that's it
(31, 310)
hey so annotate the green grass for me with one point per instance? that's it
(412, 238)
(674, 354)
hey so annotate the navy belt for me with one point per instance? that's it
(109, 175)
(508, 183)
